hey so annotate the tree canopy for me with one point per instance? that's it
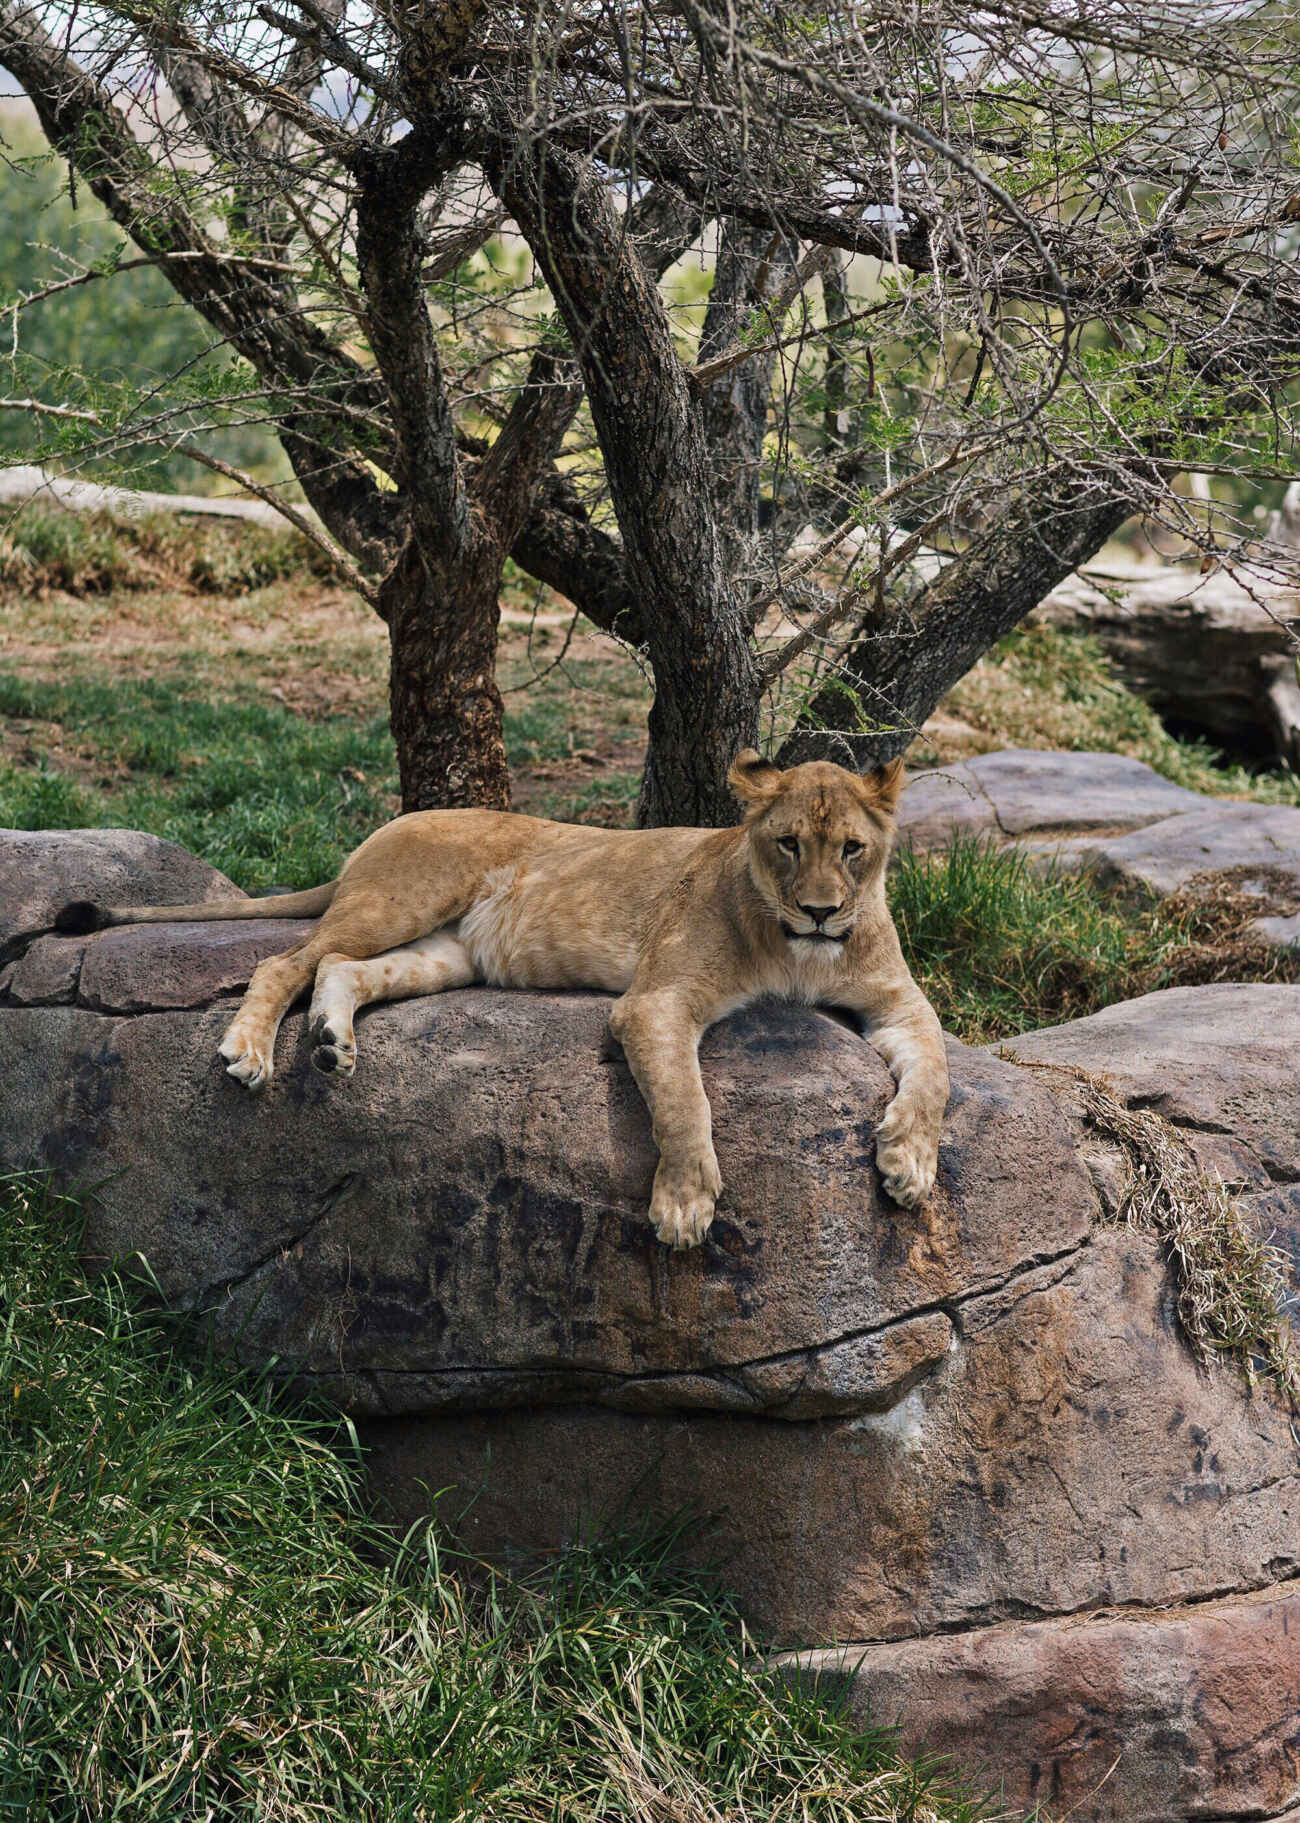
(802, 350)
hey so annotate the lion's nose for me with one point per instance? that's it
(819, 913)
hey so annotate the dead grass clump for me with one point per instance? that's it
(1230, 1291)
(1213, 917)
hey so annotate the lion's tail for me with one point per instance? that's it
(83, 915)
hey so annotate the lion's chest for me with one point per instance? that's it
(526, 931)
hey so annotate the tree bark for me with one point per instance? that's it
(661, 480)
(899, 672)
(751, 264)
(445, 706)
(440, 597)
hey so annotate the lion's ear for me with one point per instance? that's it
(883, 787)
(754, 779)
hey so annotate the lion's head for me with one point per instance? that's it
(819, 839)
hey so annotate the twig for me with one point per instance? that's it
(317, 535)
(50, 411)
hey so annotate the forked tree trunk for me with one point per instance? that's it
(445, 707)
(661, 479)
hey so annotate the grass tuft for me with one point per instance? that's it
(1231, 1290)
(42, 547)
(198, 1620)
(270, 798)
(999, 947)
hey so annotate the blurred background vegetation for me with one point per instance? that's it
(119, 343)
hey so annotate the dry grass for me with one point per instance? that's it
(1231, 1291)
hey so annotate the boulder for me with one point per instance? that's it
(1254, 842)
(1026, 792)
(42, 870)
(913, 1432)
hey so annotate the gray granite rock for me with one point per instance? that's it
(1119, 820)
(1222, 1060)
(1225, 836)
(1020, 792)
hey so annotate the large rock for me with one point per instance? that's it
(1219, 1062)
(1211, 653)
(1189, 1712)
(907, 1431)
(146, 968)
(1254, 841)
(464, 1224)
(1023, 792)
(41, 870)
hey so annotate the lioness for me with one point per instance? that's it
(685, 924)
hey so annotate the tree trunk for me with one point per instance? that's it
(897, 674)
(702, 716)
(707, 684)
(751, 266)
(445, 707)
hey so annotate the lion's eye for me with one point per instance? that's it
(852, 850)
(789, 845)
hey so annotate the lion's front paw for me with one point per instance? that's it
(907, 1156)
(681, 1208)
(333, 1053)
(246, 1056)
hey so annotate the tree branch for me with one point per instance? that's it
(527, 442)
(560, 547)
(391, 184)
(897, 675)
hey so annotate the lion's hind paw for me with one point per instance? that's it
(331, 1054)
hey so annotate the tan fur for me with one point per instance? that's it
(684, 924)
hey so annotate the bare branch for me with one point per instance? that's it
(309, 529)
(50, 411)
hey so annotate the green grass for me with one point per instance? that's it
(268, 797)
(999, 949)
(1042, 687)
(198, 1620)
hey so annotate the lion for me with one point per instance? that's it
(684, 925)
